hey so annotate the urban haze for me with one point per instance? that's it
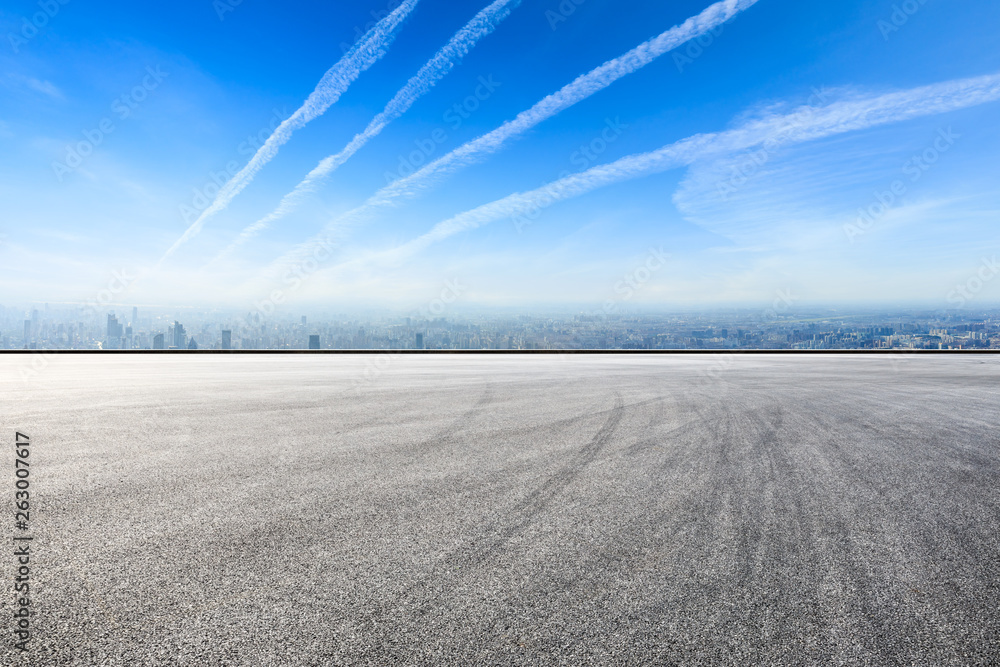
(51, 328)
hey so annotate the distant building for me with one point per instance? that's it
(227, 339)
(27, 331)
(178, 337)
(420, 341)
(303, 320)
(158, 342)
(135, 315)
(313, 341)
(115, 332)
(193, 345)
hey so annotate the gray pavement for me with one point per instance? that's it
(522, 510)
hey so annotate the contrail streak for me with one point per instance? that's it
(580, 89)
(365, 53)
(481, 25)
(805, 124)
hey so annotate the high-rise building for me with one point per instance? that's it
(158, 342)
(193, 345)
(27, 331)
(420, 341)
(313, 341)
(227, 339)
(178, 336)
(114, 333)
(135, 315)
(303, 320)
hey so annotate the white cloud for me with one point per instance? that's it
(481, 25)
(579, 89)
(768, 132)
(368, 50)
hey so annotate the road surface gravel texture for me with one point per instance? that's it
(508, 510)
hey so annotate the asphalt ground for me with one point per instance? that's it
(507, 510)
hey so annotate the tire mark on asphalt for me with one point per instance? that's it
(461, 423)
(449, 434)
(744, 520)
(535, 502)
(460, 562)
(871, 602)
(797, 491)
(541, 497)
(881, 602)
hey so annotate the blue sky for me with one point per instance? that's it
(117, 121)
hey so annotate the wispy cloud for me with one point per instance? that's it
(579, 89)
(46, 88)
(481, 25)
(804, 124)
(365, 53)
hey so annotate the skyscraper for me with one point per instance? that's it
(420, 341)
(158, 342)
(27, 331)
(227, 339)
(135, 315)
(178, 336)
(313, 341)
(114, 333)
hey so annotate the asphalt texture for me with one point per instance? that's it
(508, 510)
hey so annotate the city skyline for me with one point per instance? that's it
(584, 153)
(783, 325)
